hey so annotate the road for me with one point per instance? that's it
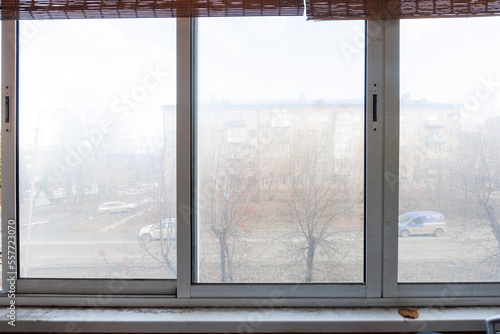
(429, 248)
(104, 245)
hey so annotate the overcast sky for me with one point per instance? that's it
(443, 60)
(87, 65)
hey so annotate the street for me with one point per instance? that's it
(98, 245)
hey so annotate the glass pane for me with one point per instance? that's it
(450, 151)
(96, 158)
(280, 132)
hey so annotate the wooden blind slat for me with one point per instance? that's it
(393, 9)
(80, 9)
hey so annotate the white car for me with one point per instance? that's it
(167, 229)
(114, 207)
(422, 222)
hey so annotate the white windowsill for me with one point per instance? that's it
(237, 320)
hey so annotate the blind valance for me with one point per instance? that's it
(97, 9)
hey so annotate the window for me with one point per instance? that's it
(97, 175)
(236, 220)
(235, 117)
(227, 160)
(457, 184)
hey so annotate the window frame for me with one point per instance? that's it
(381, 286)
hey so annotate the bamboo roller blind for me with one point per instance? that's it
(93, 9)
(316, 9)
(387, 9)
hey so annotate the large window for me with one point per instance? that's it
(224, 161)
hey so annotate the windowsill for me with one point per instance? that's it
(234, 320)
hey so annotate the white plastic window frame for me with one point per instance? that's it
(10, 210)
(307, 293)
(380, 288)
(430, 294)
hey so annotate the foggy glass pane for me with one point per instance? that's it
(449, 195)
(280, 151)
(96, 151)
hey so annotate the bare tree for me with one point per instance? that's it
(226, 199)
(319, 196)
(478, 177)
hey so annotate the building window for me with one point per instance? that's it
(235, 117)
(312, 118)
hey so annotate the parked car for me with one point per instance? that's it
(421, 222)
(114, 207)
(167, 229)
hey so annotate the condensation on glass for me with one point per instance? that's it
(97, 149)
(280, 146)
(449, 194)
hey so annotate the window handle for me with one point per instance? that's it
(374, 107)
(7, 109)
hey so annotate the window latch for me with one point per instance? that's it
(7, 109)
(374, 107)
